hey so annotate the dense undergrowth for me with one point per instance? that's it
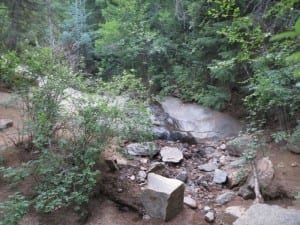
(66, 127)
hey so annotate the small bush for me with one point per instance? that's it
(13, 209)
(68, 129)
(8, 65)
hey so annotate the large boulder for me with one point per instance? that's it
(239, 145)
(294, 143)
(265, 173)
(187, 121)
(163, 197)
(262, 214)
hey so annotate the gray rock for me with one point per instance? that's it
(293, 145)
(224, 198)
(156, 166)
(141, 176)
(237, 163)
(262, 214)
(146, 217)
(163, 197)
(199, 122)
(210, 217)
(239, 145)
(265, 173)
(161, 133)
(208, 167)
(236, 211)
(5, 123)
(220, 176)
(142, 149)
(190, 202)
(206, 208)
(237, 177)
(246, 193)
(183, 176)
(171, 154)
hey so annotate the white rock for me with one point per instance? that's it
(190, 202)
(207, 208)
(144, 160)
(171, 154)
(222, 146)
(210, 217)
(132, 177)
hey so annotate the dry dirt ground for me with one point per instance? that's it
(105, 212)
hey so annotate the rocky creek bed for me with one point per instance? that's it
(218, 182)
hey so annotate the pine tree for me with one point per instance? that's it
(76, 38)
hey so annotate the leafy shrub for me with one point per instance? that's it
(13, 209)
(8, 65)
(69, 129)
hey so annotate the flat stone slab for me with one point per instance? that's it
(224, 198)
(163, 197)
(199, 122)
(262, 214)
(171, 154)
(208, 167)
(142, 149)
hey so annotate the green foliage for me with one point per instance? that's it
(76, 38)
(69, 129)
(294, 58)
(295, 136)
(280, 136)
(8, 65)
(12, 210)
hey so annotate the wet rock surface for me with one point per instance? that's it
(191, 122)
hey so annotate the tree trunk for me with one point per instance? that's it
(13, 36)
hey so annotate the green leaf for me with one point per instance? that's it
(288, 34)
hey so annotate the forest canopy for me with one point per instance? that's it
(219, 53)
